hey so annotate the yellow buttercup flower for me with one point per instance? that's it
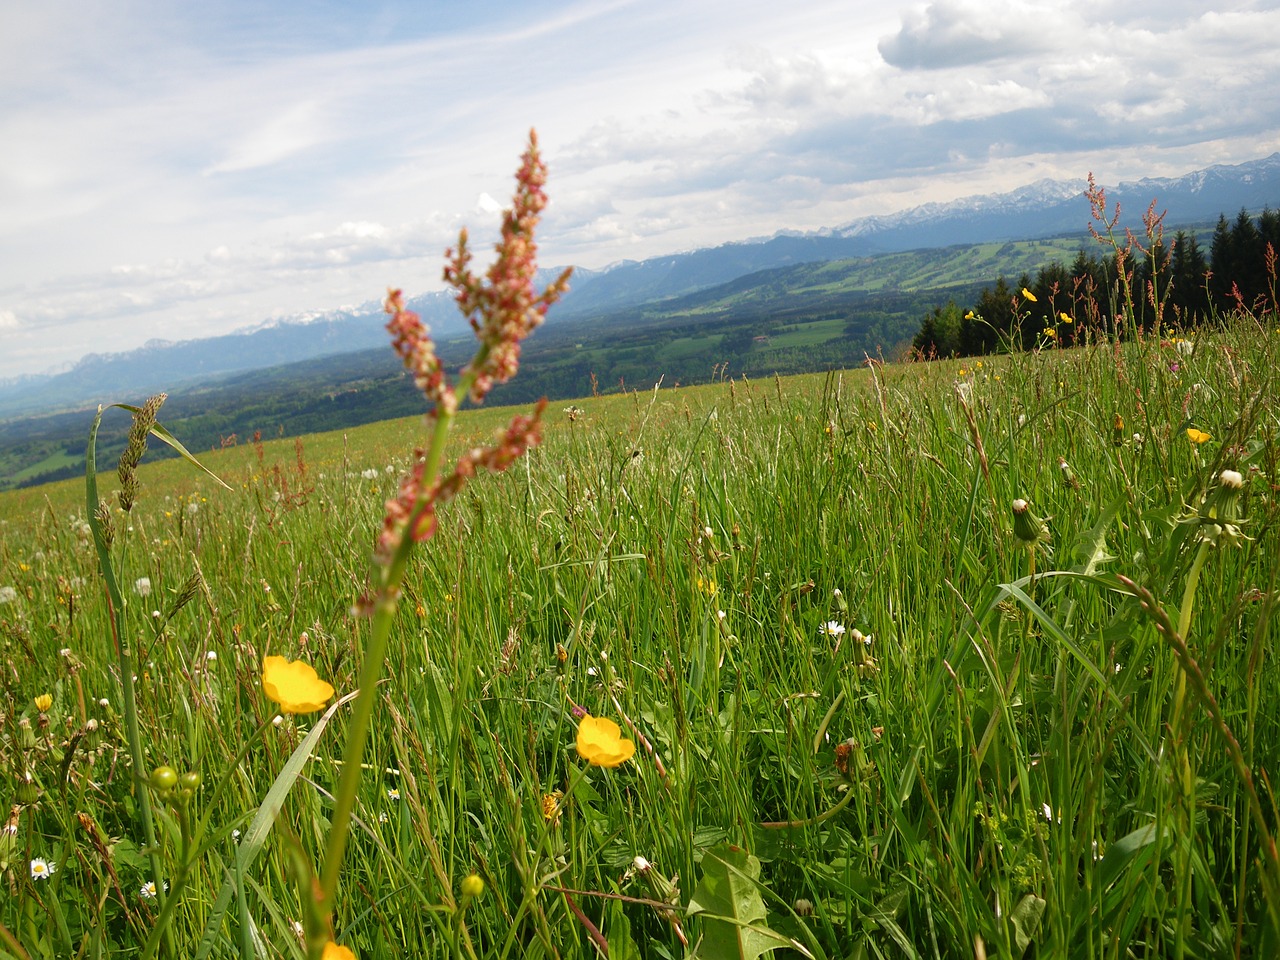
(334, 952)
(601, 743)
(1029, 295)
(1050, 332)
(1198, 436)
(294, 685)
(1066, 318)
(44, 702)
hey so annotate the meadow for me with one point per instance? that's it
(967, 658)
(867, 731)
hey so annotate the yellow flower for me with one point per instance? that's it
(1050, 332)
(601, 743)
(1066, 318)
(334, 952)
(1197, 436)
(551, 806)
(44, 702)
(969, 315)
(978, 365)
(707, 586)
(295, 686)
(1029, 295)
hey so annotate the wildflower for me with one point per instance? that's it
(148, 891)
(707, 586)
(44, 702)
(142, 586)
(294, 685)
(235, 836)
(600, 742)
(969, 315)
(1117, 430)
(370, 474)
(472, 886)
(8, 595)
(1029, 295)
(333, 951)
(42, 869)
(1066, 317)
(831, 629)
(1198, 436)
(551, 806)
(211, 656)
(1051, 333)
(393, 793)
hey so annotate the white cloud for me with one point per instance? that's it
(228, 161)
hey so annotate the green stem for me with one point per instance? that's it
(115, 603)
(384, 612)
(1184, 775)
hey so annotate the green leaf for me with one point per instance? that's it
(255, 836)
(1026, 919)
(732, 911)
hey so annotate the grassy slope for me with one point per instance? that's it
(585, 575)
(813, 316)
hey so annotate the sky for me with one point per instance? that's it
(176, 170)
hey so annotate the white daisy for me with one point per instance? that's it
(42, 869)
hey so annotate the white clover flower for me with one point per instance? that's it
(42, 869)
(142, 586)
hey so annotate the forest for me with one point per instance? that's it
(1158, 284)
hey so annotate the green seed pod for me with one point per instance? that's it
(472, 886)
(190, 780)
(27, 793)
(1027, 527)
(1223, 502)
(164, 778)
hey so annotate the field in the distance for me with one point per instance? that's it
(992, 764)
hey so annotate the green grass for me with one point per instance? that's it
(1006, 759)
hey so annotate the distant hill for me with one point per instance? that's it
(788, 319)
(1041, 210)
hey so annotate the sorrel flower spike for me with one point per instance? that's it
(505, 309)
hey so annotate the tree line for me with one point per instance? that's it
(1151, 283)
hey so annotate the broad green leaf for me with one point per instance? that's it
(732, 911)
(1026, 919)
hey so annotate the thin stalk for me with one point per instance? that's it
(384, 612)
(115, 617)
(1185, 776)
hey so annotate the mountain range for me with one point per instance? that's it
(1047, 208)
